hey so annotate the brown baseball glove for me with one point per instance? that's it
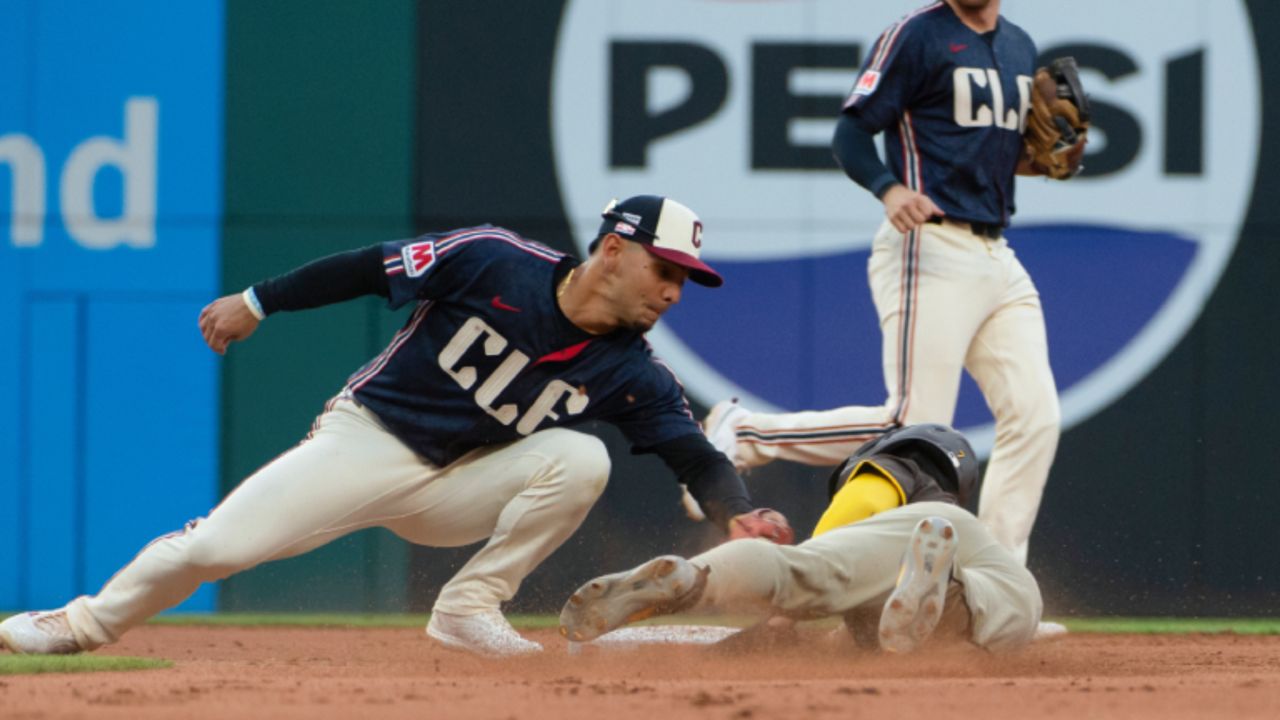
(762, 523)
(1058, 124)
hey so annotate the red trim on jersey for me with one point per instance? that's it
(393, 265)
(911, 166)
(367, 373)
(675, 378)
(444, 245)
(890, 36)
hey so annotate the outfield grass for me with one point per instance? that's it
(34, 664)
(1174, 626)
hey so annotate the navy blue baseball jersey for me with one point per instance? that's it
(488, 357)
(952, 104)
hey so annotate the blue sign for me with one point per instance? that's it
(110, 214)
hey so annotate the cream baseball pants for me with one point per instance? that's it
(527, 497)
(855, 567)
(948, 300)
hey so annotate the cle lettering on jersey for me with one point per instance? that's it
(494, 344)
(974, 112)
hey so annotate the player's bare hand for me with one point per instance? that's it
(908, 209)
(226, 320)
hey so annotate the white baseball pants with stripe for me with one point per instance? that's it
(526, 497)
(948, 300)
(856, 567)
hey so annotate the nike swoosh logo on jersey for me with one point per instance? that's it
(957, 47)
(497, 302)
(564, 355)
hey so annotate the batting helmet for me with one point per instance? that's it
(947, 451)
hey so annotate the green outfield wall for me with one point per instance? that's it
(320, 147)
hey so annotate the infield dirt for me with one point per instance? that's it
(274, 672)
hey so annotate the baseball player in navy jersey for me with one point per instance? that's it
(459, 430)
(949, 88)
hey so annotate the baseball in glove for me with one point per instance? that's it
(762, 523)
(1058, 124)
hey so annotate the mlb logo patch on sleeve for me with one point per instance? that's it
(418, 257)
(867, 83)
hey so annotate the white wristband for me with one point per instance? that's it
(251, 301)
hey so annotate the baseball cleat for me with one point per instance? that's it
(661, 586)
(914, 607)
(39, 633)
(721, 426)
(486, 633)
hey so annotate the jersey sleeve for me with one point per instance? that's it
(891, 76)
(655, 409)
(429, 266)
(709, 476)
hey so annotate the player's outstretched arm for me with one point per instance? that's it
(326, 281)
(719, 492)
(908, 209)
(225, 320)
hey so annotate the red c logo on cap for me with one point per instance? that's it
(697, 233)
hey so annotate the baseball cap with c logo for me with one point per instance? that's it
(665, 228)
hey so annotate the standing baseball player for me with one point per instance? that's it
(951, 87)
(459, 430)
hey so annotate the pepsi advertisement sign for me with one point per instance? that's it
(728, 107)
